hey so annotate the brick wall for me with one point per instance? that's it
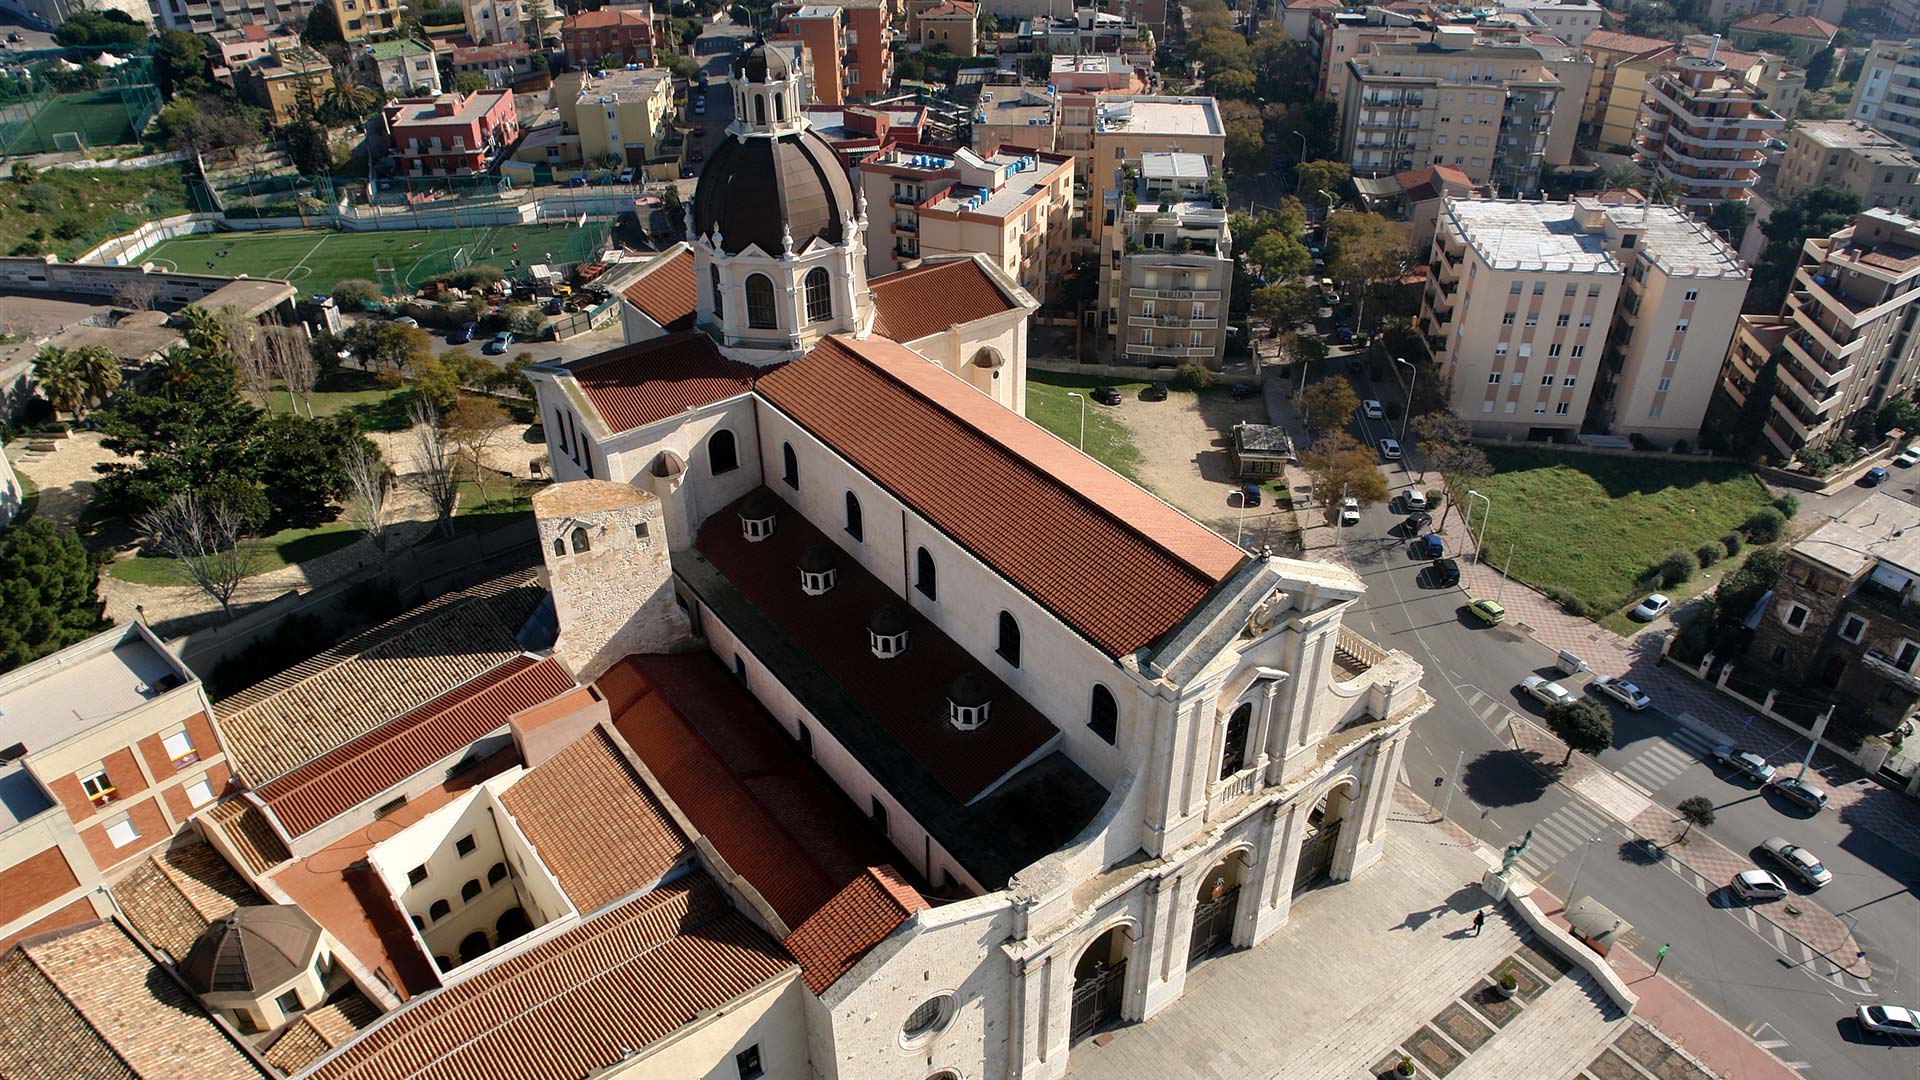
(34, 881)
(80, 911)
(123, 771)
(146, 818)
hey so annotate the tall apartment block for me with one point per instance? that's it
(1845, 338)
(1166, 262)
(851, 42)
(1703, 128)
(1555, 318)
(1485, 109)
(207, 16)
(361, 19)
(1887, 94)
(1850, 156)
(1013, 205)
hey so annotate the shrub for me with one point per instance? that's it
(1681, 446)
(526, 321)
(1787, 504)
(1732, 543)
(1708, 554)
(1434, 498)
(1571, 604)
(1677, 567)
(1639, 441)
(1192, 377)
(355, 293)
(1764, 526)
(476, 276)
(246, 499)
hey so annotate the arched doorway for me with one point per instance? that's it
(1215, 907)
(512, 923)
(473, 947)
(1323, 836)
(1100, 982)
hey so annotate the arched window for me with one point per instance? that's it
(1233, 754)
(789, 466)
(1103, 716)
(440, 910)
(559, 546)
(470, 890)
(855, 528)
(1009, 648)
(719, 297)
(760, 313)
(759, 108)
(819, 295)
(496, 873)
(581, 544)
(924, 575)
(780, 107)
(723, 456)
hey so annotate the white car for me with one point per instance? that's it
(1751, 885)
(1545, 690)
(1621, 691)
(1373, 409)
(1908, 457)
(1888, 1019)
(1799, 862)
(1390, 449)
(407, 320)
(1745, 762)
(1349, 512)
(627, 174)
(1651, 608)
(1414, 499)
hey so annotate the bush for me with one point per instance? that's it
(1681, 446)
(1192, 377)
(1765, 525)
(476, 276)
(526, 321)
(1787, 504)
(246, 499)
(1732, 543)
(1639, 441)
(1677, 567)
(1434, 498)
(1568, 602)
(1708, 554)
(355, 293)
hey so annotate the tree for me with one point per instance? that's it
(1729, 219)
(59, 378)
(369, 482)
(109, 28)
(1304, 348)
(1365, 252)
(437, 477)
(323, 27)
(1231, 83)
(355, 293)
(99, 371)
(1280, 256)
(135, 294)
(348, 101)
(1820, 69)
(293, 363)
(1444, 442)
(1328, 405)
(47, 591)
(303, 465)
(1220, 50)
(208, 537)
(1622, 177)
(389, 346)
(1663, 190)
(1246, 135)
(1322, 182)
(1820, 211)
(1339, 467)
(179, 63)
(1584, 725)
(1677, 567)
(538, 14)
(436, 382)
(206, 334)
(474, 425)
(1285, 306)
(470, 82)
(1694, 810)
(182, 436)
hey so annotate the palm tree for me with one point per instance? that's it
(1663, 190)
(59, 379)
(348, 99)
(1622, 176)
(176, 368)
(99, 371)
(204, 332)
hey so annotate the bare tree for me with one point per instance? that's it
(291, 361)
(369, 483)
(247, 344)
(208, 537)
(474, 425)
(436, 462)
(137, 294)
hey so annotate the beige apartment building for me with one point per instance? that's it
(1013, 206)
(1553, 318)
(623, 113)
(1486, 109)
(1703, 128)
(1851, 156)
(361, 19)
(1887, 94)
(1166, 263)
(1845, 338)
(1104, 131)
(1015, 116)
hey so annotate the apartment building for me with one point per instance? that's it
(108, 749)
(1336, 36)
(1016, 115)
(1613, 111)
(1086, 31)
(1887, 94)
(1104, 131)
(210, 16)
(497, 22)
(851, 42)
(500, 65)
(1809, 35)
(1014, 206)
(821, 31)
(451, 134)
(626, 34)
(1720, 12)
(1094, 74)
(1485, 109)
(279, 80)
(1166, 262)
(401, 67)
(360, 19)
(1851, 156)
(1552, 318)
(1569, 22)
(1849, 344)
(1703, 128)
(243, 43)
(624, 112)
(1616, 56)
(953, 24)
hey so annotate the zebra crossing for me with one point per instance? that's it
(1559, 835)
(1665, 759)
(1796, 952)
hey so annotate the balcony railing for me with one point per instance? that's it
(1890, 667)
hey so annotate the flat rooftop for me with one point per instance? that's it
(466, 108)
(1161, 116)
(1678, 243)
(77, 689)
(1512, 234)
(1878, 528)
(624, 85)
(1020, 186)
(1847, 134)
(1164, 165)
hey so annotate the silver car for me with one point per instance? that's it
(1545, 691)
(1745, 762)
(1621, 691)
(1799, 862)
(1752, 885)
(1888, 1020)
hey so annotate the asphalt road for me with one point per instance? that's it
(1763, 982)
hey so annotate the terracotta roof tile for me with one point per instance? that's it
(1046, 517)
(1616, 41)
(838, 935)
(912, 304)
(638, 384)
(605, 18)
(594, 823)
(172, 895)
(665, 292)
(1804, 26)
(571, 1005)
(376, 761)
(320, 1030)
(246, 827)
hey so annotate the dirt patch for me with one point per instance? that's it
(1183, 445)
(65, 475)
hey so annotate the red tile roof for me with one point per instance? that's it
(838, 935)
(594, 823)
(574, 1004)
(1626, 43)
(375, 762)
(604, 18)
(638, 384)
(1046, 517)
(1802, 26)
(665, 292)
(912, 304)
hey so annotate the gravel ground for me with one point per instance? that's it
(65, 477)
(1183, 459)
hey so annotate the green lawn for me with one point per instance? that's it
(1591, 525)
(373, 406)
(283, 548)
(1108, 440)
(99, 116)
(506, 499)
(314, 259)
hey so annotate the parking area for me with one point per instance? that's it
(1183, 459)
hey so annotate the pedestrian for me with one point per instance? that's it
(1479, 922)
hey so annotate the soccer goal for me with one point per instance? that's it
(386, 274)
(69, 140)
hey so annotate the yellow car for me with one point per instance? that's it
(1488, 612)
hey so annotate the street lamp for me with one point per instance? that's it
(1573, 889)
(1484, 516)
(1506, 566)
(1406, 410)
(1083, 420)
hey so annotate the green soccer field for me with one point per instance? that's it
(100, 117)
(314, 259)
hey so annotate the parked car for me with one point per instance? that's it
(627, 174)
(1621, 691)
(1752, 885)
(700, 106)
(1446, 573)
(1249, 494)
(464, 333)
(1799, 862)
(1416, 523)
(1488, 612)
(1372, 409)
(1414, 499)
(1802, 791)
(1349, 512)
(574, 182)
(499, 343)
(1390, 449)
(1546, 691)
(1887, 1020)
(1106, 395)
(699, 130)
(407, 320)
(1242, 391)
(696, 154)
(1745, 762)
(1155, 392)
(1651, 608)
(1874, 477)
(1431, 546)
(1908, 457)
(1343, 335)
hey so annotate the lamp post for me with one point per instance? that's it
(1303, 159)
(1406, 409)
(1577, 867)
(1083, 420)
(1508, 565)
(1485, 514)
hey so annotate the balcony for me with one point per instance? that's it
(1174, 294)
(1807, 430)
(1222, 794)
(1850, 312)
(906, 227)
(1182, 322)
(1821, 336)
(1816, 368)
(1890, 668)
(1176, 352)
(1819, 402)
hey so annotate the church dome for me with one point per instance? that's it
(255, 949)
(760, 64)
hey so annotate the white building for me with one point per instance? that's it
(1887, 94)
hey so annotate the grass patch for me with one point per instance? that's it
(285, 548)
(1109, 441)
(1591, 525)
(374, 406)
(29, 497)
(98, 115)
(66, 211)
(507, 499)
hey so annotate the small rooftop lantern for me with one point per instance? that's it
(758, 516)
(887, 631)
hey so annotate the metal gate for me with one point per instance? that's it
(1316, 857)
(1096, 1000)
(1212, 925)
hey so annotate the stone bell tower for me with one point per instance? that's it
(605, 546)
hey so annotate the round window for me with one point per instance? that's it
(931, 1015)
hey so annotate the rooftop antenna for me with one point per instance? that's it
(1714, 49)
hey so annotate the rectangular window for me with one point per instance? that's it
(747, 1063)
(1654, 413)
(1853, 627)
(1692, 295)
(1593, 291)
(1533, 320)
(1578, 351)
(1539, 288)
(1570, 380)
(1561, 320)
(1486, 406)
(1493, 378)
(1507, 319)
(121, 831)
(1586, 321)
(1539, 407)
(1553, 349)
(98, 788)
(1518, 378)
(1571, 289)
(1500, 348)
(1673, 355)
(200, 792)
(416, 875)
(1680, 327)
(1795, 617)
(1560, 409)
(179, 748)
(1509, 407)
(1514, 289)
(463, 846)
(878, 813)
(1546, 380)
